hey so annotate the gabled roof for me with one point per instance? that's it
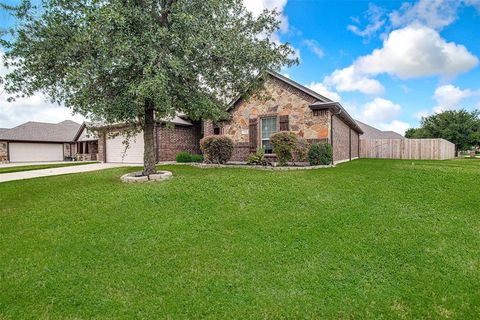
(42, 132)
(321, 103)
(370, 132)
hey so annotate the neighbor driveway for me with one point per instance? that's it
(58, 171)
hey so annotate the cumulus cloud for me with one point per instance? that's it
(396, 125)
(448, 97)
(324, 91)
(314, 47)
(410, 52)
(435, 14)
(380, 110)
(417, 51)
(350, 79)
(34, 108)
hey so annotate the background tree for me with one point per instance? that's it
(458, 126)
(134, 61)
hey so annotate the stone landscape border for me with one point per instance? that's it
(137, 177)
(245, 166)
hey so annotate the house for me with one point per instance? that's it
(38, 141)
(85, 143)
(370, 132)
(291, 107)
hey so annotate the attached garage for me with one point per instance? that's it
(116, 149)
(31, 152)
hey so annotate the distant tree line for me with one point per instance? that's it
(458, 126)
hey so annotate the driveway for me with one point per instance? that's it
(59, 171)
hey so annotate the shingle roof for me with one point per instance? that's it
(41, 131)
(370, 132)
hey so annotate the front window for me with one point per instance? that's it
(269, 127)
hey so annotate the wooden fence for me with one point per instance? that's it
(415, 149)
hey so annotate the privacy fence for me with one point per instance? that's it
(415, 149)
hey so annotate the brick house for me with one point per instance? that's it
(290, 106)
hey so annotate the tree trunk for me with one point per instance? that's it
(149, 140)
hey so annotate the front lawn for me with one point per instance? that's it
(41, 166)
(367, 239)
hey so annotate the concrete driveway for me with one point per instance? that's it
(59, 171)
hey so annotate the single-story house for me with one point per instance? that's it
(370, 132)
(38, 141)
(291, 107)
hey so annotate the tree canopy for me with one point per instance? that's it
(458, 126)
(130, 61)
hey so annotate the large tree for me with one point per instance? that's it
(134, 61)
(458, 126)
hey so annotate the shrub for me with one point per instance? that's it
(283, 144)
(217, 149)
(183, 157)
(258, 158)
(320, 154)
(301, 150)
(196, 157)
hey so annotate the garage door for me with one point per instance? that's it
(33, 152)
(116, 152)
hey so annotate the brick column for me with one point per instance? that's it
(207, 128)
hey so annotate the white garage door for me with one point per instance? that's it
(116, 152)
(32, 152)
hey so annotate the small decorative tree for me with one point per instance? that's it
(284, 143)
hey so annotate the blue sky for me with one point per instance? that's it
(388, 62)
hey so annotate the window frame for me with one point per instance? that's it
(260, 127)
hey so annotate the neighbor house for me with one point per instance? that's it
(290, 106)
(38, 141)
(370, 133)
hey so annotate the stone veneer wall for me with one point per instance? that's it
(341, 140)
(101, 147)
(3, 151)
(174, 140)
(278, 99)
(354, 137)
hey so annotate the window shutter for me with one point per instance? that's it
(284, 123)
(252, 134)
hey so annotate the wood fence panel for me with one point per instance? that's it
(415, 149)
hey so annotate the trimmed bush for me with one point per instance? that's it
(283, 143)
(196, 157)
(183, 157)
(320, 154)
(300, 151)
(217, 149)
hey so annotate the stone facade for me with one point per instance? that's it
(174, 140)
(278, 99)
(3, 151)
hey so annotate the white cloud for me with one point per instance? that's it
(435, 14)
(375, 16)
(380, 110)
(324, 91)
(411, 52)
(421, 114)
(314, 47)
(349, 79)
(417, 51)
(448, 97)
(34, 108)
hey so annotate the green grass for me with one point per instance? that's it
(367, 239)
(41, 166)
